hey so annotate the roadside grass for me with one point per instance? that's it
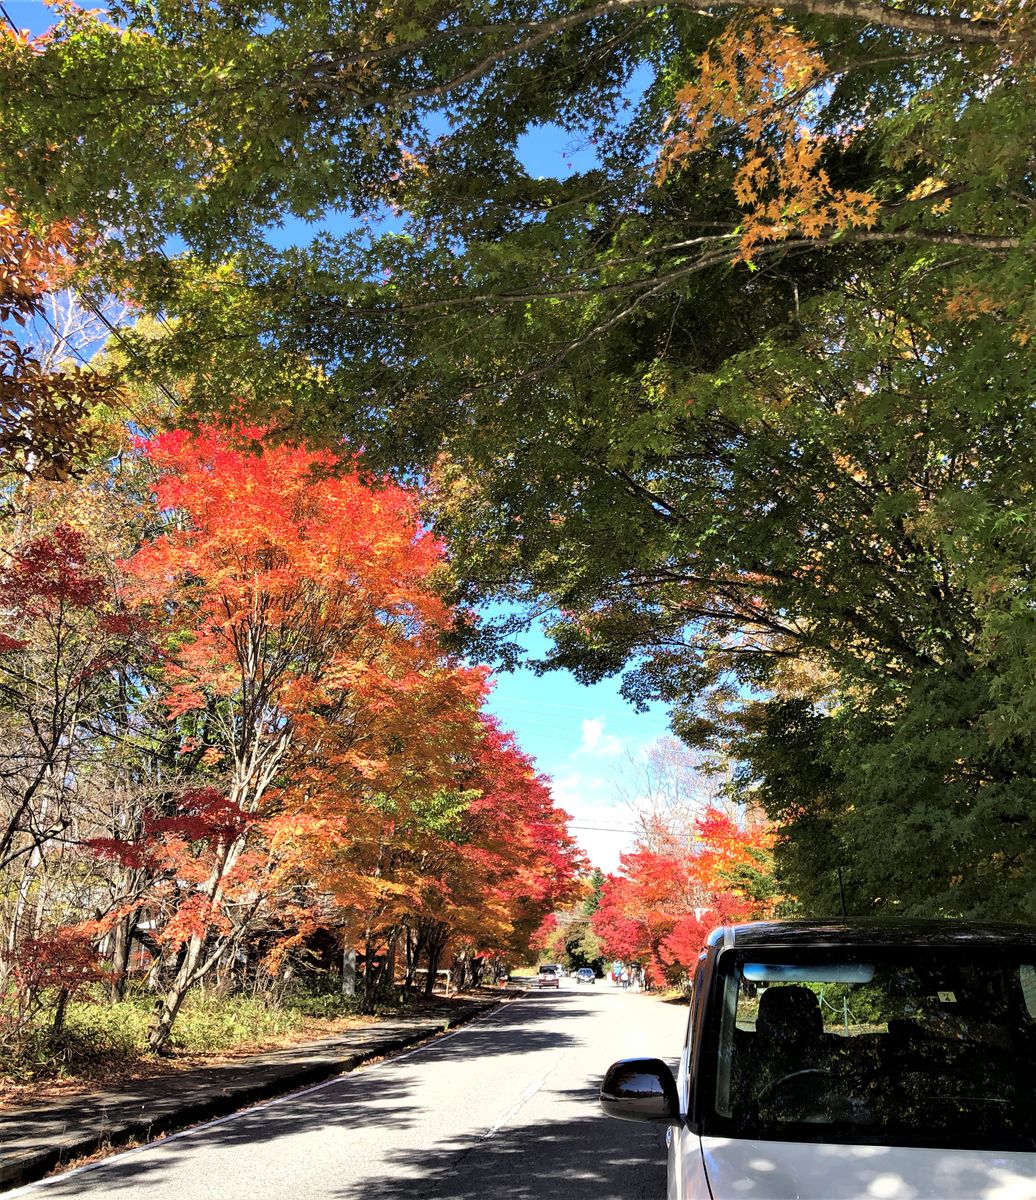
(102, 1042)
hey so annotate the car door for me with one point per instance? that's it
(685, 1168)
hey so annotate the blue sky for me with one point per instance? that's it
(583, 738)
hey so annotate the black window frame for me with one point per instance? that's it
(702, 1116)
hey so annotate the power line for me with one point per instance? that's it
(602, 828)
(92, 308)
(61, 339)
(589, 707)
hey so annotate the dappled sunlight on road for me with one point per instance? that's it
(508, 1102)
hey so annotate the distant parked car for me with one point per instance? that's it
(548, 976)
(845, 1060)
(586, 975)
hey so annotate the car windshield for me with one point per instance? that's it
(930, 1048)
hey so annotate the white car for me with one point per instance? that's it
(548, 976)
(850, 1060)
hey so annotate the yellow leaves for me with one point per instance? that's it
(755, 86)
(969, 304)
(926, 187)
(410, 164)
(1017, 19)
(751, 180)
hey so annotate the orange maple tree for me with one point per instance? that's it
(658, 910)
(458, 848)
(297, 624)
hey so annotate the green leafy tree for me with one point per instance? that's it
(593, 900)
(747, 402)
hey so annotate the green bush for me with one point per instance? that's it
(100, 1037)
(320, 996)
(208, 1023)
(95, 1039)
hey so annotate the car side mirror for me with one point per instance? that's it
(641, 1089)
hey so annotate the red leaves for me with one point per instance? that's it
(662, 906)
(200, 816)
(132, 854)
(65, 958)
(50, 572)
(55, 597)
(204, 814)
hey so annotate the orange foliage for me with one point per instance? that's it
(755, 82)
(659, 910)
(298, 628)
(300, 633)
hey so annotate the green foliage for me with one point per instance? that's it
(319, 996)
(99, 1038)
(859, 1004)
(593, 901)
(580, 946)
(788, 488)
(94, 1040)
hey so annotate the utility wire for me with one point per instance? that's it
(601, 828)
(92, 308)
(62, 340)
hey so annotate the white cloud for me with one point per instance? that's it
(598, 744)
(600, 824)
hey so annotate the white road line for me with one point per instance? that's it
(522, 1100)
(29, 1188)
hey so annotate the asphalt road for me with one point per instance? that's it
(504, 1107)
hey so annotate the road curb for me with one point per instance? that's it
(152, 1117)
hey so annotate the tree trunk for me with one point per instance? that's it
(168, 1007)
(348, 971)
(415, 943)
(390, 963)
(436, 944)
(122, 948)
(370, 975)
(59, 1013)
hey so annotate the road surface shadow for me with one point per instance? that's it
(331, 1109)
(583, 1156)
(513, 1030)
(341, 1107)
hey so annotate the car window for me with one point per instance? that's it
(683, 1077)
(923, 1050)
(1028, 979)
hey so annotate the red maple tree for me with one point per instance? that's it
(658, 910)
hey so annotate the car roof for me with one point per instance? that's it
(873, 931)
